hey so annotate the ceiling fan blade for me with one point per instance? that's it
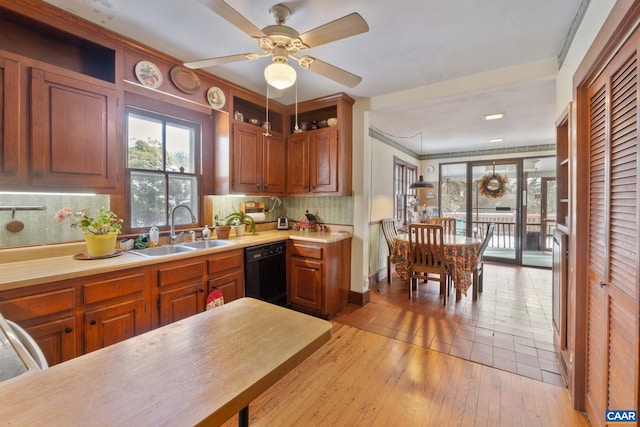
(334, 73)
(218, 61)
(234, 17)
(341, 28)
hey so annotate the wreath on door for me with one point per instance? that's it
(493, 185)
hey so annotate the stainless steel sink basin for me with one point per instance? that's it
(162, 250)
(206, 244)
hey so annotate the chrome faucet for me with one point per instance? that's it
(172, 237)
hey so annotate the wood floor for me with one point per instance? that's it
(363, 378)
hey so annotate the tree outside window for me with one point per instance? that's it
(404, 175)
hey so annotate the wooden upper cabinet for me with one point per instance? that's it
(319, 161)
(73, 131)
(274, 155)
(10, 143)
(323, 167)
(298, 164)
(247, 159)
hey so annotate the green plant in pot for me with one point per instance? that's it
(240, 220)
(221, 227)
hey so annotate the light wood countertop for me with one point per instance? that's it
(47, 269)
(197, 371)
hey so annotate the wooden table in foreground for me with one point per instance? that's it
(198, 371)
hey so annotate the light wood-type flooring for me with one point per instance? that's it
(367, 377)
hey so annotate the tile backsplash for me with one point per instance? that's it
(41, 228)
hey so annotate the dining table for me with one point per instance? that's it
(460, 255)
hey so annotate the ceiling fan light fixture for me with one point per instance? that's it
(280, 74)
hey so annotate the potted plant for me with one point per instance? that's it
(100, 231)
(222, 228)
(239, 220)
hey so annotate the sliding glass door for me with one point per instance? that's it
(494, 199)
(518, 195)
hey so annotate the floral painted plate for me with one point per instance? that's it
(148, 74)
(216, 98)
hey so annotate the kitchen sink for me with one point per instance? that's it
(162, 250)
(206, 244)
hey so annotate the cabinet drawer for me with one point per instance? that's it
(113, 288)
(180, 273)
(38, 305)
(305, 250)
(225, 260)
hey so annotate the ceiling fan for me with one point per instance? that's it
(282, 42)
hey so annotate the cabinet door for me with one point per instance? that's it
(113, 323)
(298, 164)
(304, 284)
(230, 282)
(180, 303)
(274, 165)
(324, 161)
(57, 339)
(10, 143)
(73, 132)
(247, 159)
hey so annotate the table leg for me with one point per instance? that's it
(243, 417)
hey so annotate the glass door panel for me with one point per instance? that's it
(453, 195)
(494, 198)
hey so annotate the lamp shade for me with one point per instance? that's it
(421, 183)
(280, 75)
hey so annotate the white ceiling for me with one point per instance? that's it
(410, 43)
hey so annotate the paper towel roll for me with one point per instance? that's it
(257, 216)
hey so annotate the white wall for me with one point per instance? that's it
(592, 21)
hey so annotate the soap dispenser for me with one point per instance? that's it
(206, 233)
(154, 235)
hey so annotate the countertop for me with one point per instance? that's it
(56, 262)
(197, 371)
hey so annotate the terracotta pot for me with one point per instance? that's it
(222, 231)
(99, 245)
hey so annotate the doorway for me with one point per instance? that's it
(518, 195)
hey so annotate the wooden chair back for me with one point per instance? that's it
(448, 224)
(478, 271)
(426, 254)
(485, 242)
(389, 230)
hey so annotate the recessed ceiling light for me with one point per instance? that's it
(496, 140)
(493, 116)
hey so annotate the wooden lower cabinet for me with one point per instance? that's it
(47, 313)
(114, 308)
(318, 276)
(180, 290)
(226, 272)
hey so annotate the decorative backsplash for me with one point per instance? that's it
(41, 228)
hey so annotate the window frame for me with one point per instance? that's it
(404, 174)
(179, 115)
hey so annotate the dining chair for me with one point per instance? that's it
(426, 256)
(479, 269)
(448, 224)
(390, 232)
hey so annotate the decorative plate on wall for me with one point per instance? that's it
(148, 74)
(216, 98)
(185, 79)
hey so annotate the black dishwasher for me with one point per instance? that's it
(265, 272)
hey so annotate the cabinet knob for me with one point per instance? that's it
(93, 322)
(202, 290)
(602, 284)
(68, 330)
(38, 174)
